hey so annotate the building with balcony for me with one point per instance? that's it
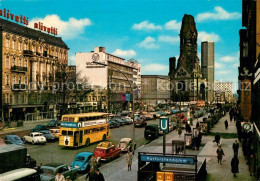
(28, 64)
(117, 78)
(223, 92)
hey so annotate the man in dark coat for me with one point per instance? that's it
(231, 113)
(226, 124)
(234, 165)
(235, 147)
(99, 176)
(217, 138)
(91, 176)
(220, 154)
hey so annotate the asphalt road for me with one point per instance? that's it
(52, 152)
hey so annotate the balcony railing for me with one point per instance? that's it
(19, 87)
(18, 69)
(28, 53)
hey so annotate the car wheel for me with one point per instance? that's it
(87, 142)
(24, 140)
(33, 142)
(104, 138)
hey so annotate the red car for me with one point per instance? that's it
(185, 120)
(106, 151)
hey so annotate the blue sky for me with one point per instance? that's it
(146, 30)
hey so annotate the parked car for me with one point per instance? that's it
(49, 171)
(55, 133)
(47, 134)
(148, 116)
(39, 128)
(81, 161)
(35, 138)
(127, 120)
(53, 123)
(112, 124)
(184, 120)
(151, 131)
(13, 139)
(106, 151)
(140, 123)
(119, 121)
(126, 144)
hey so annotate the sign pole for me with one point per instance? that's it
(164, 146)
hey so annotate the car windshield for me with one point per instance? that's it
(38, 135)
(46, 132)
(46, 171)
(123, 144)
(80, 158)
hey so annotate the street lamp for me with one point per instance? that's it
(132, 89)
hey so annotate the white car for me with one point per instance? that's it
(35, 138)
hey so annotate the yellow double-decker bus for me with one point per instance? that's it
(83, 129)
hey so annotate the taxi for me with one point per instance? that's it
(106, 151)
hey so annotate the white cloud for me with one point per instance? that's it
(227, 58)
(204, 36)
(148, 43)
(236, 65)
(124, 53)
(172, 25)
(66, 29)
(222, 72)
(218, 65)
(155, 68)
(146, 25)
(72, 59)
(218, 14)
(169, 39)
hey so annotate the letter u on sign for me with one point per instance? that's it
(164, 124)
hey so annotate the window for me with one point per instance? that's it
(11, 99)
(13, 80)
(7, 98)
(7, 42)
(95, 130)
(7, 61)
(87, 131)
(13, 44)
(25, 63)
(7, 80)
(19, 46)
(70, 132)
(64, 132)
(13, 60)
(20, 61)
(25, 46)
(25, 80)
(102, 128)
(20, 79)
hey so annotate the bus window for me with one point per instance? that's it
(87, 131)
(95, 130)
(70, 132)
(64, 132)
(65, 119)
(71, 119)
(102, 128)
(81, 119)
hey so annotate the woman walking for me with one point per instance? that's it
(220, 154)
(234, 165)
(129, 159)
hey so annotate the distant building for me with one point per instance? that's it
(208, 67)
(111, 77)
(155, 89)
(223, 92)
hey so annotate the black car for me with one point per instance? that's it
(113, 124)
(47, 134)
(127, 120)
(53, 123)
(151, 131)
(39, 128)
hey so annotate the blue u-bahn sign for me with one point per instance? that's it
(168, 159)
(164, 124)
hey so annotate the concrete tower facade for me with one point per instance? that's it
(207, 67)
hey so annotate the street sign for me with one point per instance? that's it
(164, 124)
(168, 159)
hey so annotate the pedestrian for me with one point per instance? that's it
(59, 177)
(220, 154)
(187, 127)
(231, 115)
(197, 125)
(99, 176)
(217, 139)
(93, 163)
(234, 165)
(251, 163)
(179, 132)
(226, 124)
(235, 147)
(91, 176)
(197, 142)
(129, 159)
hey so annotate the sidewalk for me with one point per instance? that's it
(117, 169)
